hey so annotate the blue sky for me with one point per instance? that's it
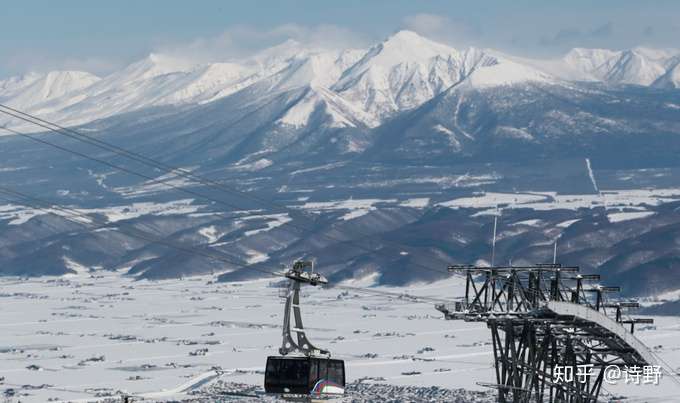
(100, 36)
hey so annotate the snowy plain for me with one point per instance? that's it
(90, 336)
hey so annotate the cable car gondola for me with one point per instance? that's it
(304, 376)
(310, 371)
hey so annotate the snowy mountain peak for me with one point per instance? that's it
(409, 39)
(406, 47)
(634, 68)
(70, 77)
(399, 73)
(641, 66)
(355, 88)
(405, 35)
(36, 89)
(504, 73)
(10, 86)
(167, 63)
(279, 54)
(590, 59)
(317, 69)
(659, 55)
(154, 65)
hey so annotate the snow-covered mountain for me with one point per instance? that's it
(400, 73)
(671, 78)
(351, 87)
(638, 66)
(406, 70)
(345, 88)
(368, 139)
(155, 80)
(32, 89)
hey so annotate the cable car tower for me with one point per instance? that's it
(546, 321)
(302, 370)
(301, 344)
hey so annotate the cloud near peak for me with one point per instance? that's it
(244, 40)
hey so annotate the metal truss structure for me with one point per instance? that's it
(545, 319)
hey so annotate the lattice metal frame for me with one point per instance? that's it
(530, 340)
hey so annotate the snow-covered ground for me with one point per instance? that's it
(18, 214)
(355, 207)
(613, 200)
(83, 337)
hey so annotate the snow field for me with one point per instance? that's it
(85, 336)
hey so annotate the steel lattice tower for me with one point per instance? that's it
(545, 317)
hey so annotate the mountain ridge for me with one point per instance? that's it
(395, 75)
(416, 150)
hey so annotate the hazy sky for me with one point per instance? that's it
(100, 36)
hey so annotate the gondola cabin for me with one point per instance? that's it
(304, 376)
